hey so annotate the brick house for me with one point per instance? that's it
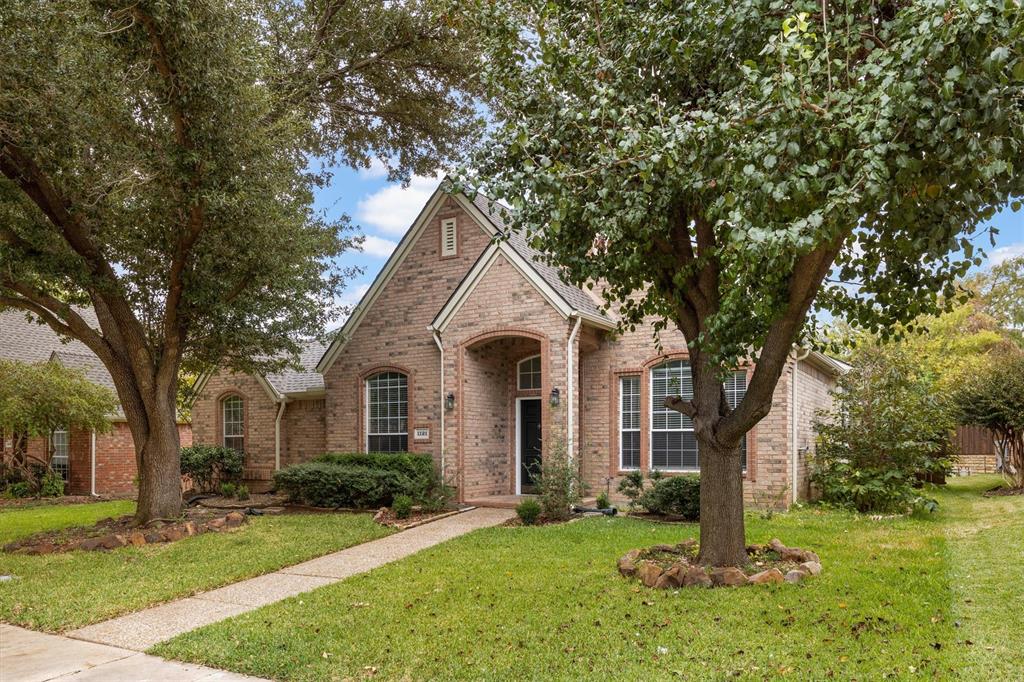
(471, 349)
(91, 463)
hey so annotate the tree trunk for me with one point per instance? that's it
(722, 534)
(158, 458)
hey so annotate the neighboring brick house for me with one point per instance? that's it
(91, 463)
(471, 349)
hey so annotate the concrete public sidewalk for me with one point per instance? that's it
(27, 656)
(143, 629)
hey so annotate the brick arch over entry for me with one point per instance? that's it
(486, 400)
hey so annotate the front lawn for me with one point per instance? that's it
(64, 591)
(547, 603)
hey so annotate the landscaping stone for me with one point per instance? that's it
(696, 577)
(234, 519)
(136, 538)
(649, 572)
(772, 575)
(90, 544)
(216, 524)
(673, 577)
(153, 536)
(665, 548)
(112, 541)
(794, 576)
(812, 567)
(42, 548)
(728, 576)
(190, 528)
(627, 564)
(173, 534)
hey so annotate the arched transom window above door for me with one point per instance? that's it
(387, 412)
(529, 373)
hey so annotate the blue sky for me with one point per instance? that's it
(383, 211)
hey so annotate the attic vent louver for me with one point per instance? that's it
(449, 238)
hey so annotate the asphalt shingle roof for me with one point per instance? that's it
(293, 381)
(27, 340)
(573, 295)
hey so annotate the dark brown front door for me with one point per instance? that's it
(529, 444)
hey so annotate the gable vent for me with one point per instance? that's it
(449, 238)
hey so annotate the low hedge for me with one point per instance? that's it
(674, 495)
(418, 468)
(211, 465)
(328, 484)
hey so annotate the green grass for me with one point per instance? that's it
(64, 591)
(547, 603)
(20, 521)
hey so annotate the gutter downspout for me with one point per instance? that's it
(440, 347)
(277, 436)
(570, 383)
(795, 449)
(92, 463)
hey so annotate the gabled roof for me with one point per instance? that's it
(27, 340)
(304, 382)
(567, 298)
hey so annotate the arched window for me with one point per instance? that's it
(233, 410)
(529, 373)
(387, 412)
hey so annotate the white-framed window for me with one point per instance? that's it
(629, 422)
(529, 373)
(387, 412)
(59, 442)
(673, 441)
(449, 237)
(233, 412)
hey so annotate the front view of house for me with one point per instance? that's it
(471, 349)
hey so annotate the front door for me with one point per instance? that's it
(529, 444)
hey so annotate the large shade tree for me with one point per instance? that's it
(725, 167)
(158, 161)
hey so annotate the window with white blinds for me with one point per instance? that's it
(673, 441)
(387, 412)
(234, 423)
(629, 423)
(449, 237)
(59, 462)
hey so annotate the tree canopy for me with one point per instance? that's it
(36, 399)
(158, 162)
(724, 167)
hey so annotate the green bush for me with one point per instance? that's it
(242, 492)
(528, 511)
(417, 468)
(211, 465)
(228, 489)
(674, 495)
(51, 484)
(325, 484)
(559, 485)
(18, 490)
(603, 502)
(888, 424)
(632, 486)
(402, 506)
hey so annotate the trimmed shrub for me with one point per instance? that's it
(402, 506)
(528, 511)
(228, 489)
(211, 465)
(51, 485)
(417, 468)
(242, 492)
(559, 485)
(325, 484)
(18, 490)
(603, 502)
(674, 495)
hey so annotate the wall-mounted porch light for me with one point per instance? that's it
(555, 397)
(449, 402)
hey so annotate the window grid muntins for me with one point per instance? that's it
(629, 422)
(234, 423)
(387, 412)
(673, 440)
(529, 373)
(59, 461)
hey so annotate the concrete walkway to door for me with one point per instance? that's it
(143, 629)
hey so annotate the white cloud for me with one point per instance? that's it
(376, 246)
(376, 170)
(352, 295)
(392, 209)
(1005, 253)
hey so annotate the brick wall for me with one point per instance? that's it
(303, 434)
(813, 395)
(394, 335)
(260, 414)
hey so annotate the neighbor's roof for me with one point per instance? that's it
(27, 340)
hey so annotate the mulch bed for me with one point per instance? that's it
(675, 566)
(111, 533)
(418, 517)
(59, 501)
(659, 518)
(1003, 491)
(254, 501)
